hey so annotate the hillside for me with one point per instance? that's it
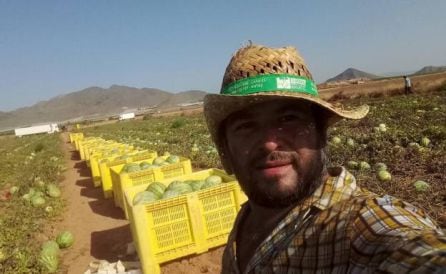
(430, 69)
(351, 73)
(95, 102)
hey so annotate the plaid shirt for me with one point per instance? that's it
(342, 228)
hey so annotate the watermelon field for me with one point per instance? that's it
(31, 168)
(406, 133)
(398, 149)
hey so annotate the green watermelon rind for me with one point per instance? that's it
(144, 197)
(157, 188)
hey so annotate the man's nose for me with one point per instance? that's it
(270, 140)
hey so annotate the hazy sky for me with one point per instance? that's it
(48, 48)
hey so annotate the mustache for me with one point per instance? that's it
(281, 156)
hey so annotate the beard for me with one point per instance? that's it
(300, 184)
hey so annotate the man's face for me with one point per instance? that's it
(275, 151)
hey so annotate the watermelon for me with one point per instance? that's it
(145, 165)
(53, 191)
(196, 185)
(180, 186)
(50, 263)
(421, 186)
(364, 165)
(158, 161)
(37, 201)
(170, 194)
(13, 189)
(173, 159)
(131, 167)
(144, 197)
(336, 140)
(65, 239)
(425, 141)
(50, 248)
(174, 184)
(156, 188)
(350, 142)
(211, 181)
(352, 164)
(384, 176)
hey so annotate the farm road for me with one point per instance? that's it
(101, 230)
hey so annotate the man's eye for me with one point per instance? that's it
(243, 126)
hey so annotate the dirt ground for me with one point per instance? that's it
(101, 230)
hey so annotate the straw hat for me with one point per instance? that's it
(257, 74)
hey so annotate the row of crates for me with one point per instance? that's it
(166, 229)
(76, 135)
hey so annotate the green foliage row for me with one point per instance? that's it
(24, 164)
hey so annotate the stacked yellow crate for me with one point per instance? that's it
(103, 153)
(171, 228)
(76, 136)
(123, 180)
(188, 224)
(106, 164)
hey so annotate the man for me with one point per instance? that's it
(407, 85)
(270, 127)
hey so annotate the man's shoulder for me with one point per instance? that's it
(384, 213)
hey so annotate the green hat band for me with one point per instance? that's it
(271, 82)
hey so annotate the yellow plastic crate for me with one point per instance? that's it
(86, 143)
(121, 181)
(76, 136)
(90, 148)
(73, 136)
(92, 144)
(96, 146)
(188, 224)
(105, 152)
(76, 143)
(79, 143)
(107, 163)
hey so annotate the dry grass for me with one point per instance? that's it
(385, 87)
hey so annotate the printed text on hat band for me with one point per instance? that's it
(271, 82)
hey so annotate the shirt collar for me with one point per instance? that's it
(340, 185)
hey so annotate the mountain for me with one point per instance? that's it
(352, 73)
(430, 69)
(95, 102)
